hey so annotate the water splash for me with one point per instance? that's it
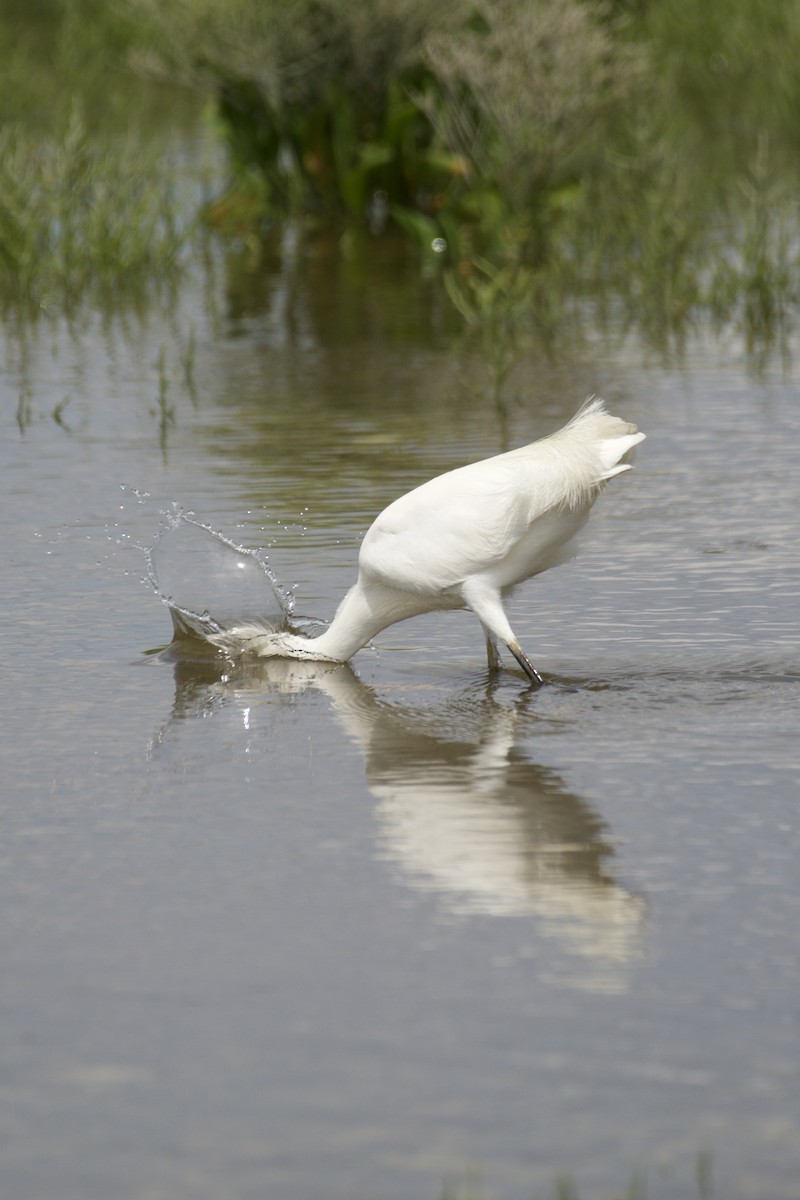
(209, 583)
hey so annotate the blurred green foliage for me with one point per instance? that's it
(640, 154)
(79, 218)
(473, 121)
(89, 209)
(543, 147)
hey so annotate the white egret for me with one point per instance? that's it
(465, 540)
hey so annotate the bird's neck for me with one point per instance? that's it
(362, 614)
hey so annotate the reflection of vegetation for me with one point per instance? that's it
(494, 302)
(165, 410)
(470, 1188)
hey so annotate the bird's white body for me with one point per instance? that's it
(466, 538)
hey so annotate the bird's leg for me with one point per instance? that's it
(483, 597)
(526, 664)
(492, 657)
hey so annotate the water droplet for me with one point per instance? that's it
(438, 245)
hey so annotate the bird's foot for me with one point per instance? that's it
(527, 665)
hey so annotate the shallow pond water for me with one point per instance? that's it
(390, 928)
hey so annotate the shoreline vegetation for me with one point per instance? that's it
(532, 155)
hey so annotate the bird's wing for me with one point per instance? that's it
(509, 516)
(450, 528)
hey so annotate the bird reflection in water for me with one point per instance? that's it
(462, 813)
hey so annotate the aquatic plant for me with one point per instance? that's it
(535, 151)
(312, 96)
(726, 73)
(522, 94)
(82, 216)
(533, 155)
(463, 114)
(165, 409)
(91, 208)
(471, 1187)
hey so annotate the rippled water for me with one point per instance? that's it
(374, 930)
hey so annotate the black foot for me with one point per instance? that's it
(527, 666)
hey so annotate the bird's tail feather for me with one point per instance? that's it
(612, 439)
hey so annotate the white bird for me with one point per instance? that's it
(465, 539)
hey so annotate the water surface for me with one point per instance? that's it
(368, 930)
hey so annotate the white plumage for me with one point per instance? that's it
(466, 538)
